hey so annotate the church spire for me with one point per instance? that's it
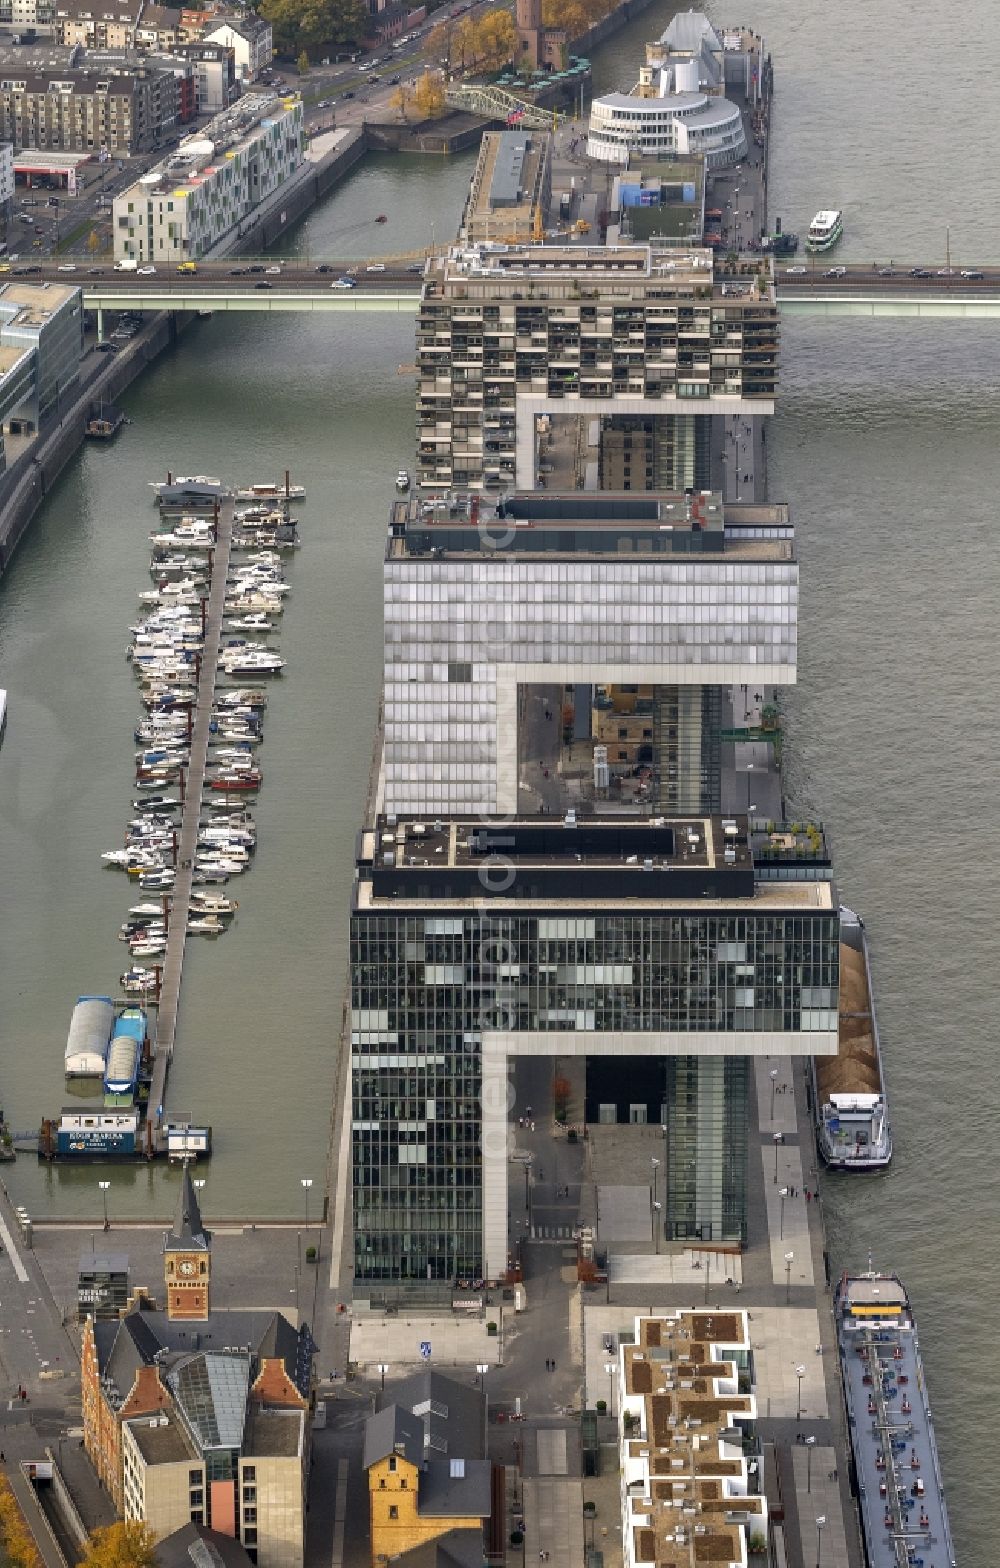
(188, 1234)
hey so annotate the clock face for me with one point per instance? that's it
(187, 1267)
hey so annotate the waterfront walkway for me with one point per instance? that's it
(173, 963)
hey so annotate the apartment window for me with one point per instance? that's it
(249, 1494)
(250, 1539)
(393, 1511)
(392, 1462)
(194, 1476)
(197, 1516)
(249, 1472)
(249, 1516)
(197, 1497)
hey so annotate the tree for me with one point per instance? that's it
(497, 39)
(312, 24)
(428, 95)
(122, 1545)
(303, 63)
(18, 1540)
(93, 242)
(400, 100)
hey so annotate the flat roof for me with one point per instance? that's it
(161, 1439)
(32, 160)
(35, 302)
(275, 1434)
(200, 156)
(10, 356)
(584, 525)
(636, 271)
(795, 897)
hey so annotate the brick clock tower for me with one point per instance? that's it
(187, 1259)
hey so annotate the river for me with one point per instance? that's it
(884, 443)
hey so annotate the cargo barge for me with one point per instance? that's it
(900, 1491)
(853, 1131)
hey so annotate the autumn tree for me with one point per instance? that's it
(303, 62)
(126, 1544)
(400, 100)
(18, 1541)
(428, 95)
(93, 242)
(497, 39)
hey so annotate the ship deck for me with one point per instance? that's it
(893, 1436)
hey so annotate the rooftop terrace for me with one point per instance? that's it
(555, 271)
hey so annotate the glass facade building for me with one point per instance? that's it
(435, 992)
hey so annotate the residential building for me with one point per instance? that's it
(195, 1415)
(183, 72)
(507, 336)
(28, 16)
(211, 183)
(511, 187)
(428, 1476)
(63, 99)
(249, 37)
(158, 27)
(215, 81)
(97, 26)
(690, 1487)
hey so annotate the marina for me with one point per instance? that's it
(198, 743)
(853, 1130)
(900, 1489)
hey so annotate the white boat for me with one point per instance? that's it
(402, 481)
(148, 949)
(204, 875)
(213, 904)
(825, 230)
(272, 492)
(252, 664)
(146, 909)
(205, 925)
(259, 622)
(162, 880)
(137, 981)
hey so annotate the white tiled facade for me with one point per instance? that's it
(198, 201)
(461, 635)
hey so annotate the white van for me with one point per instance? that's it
(128, 265)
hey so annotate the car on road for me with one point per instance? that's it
(66, 266)
(835, 272)
(238, 272)
(886, 272)
(324, 267)
(147, 272)
(394, 81)
(107, 348)
(418, 266)
(256, 268)
(263, 285)
(185, 268)
(348, 95)
(795, 271)
(274, 272)
(946, 272)
(919, 272)
(343, 283)
(972, 274)
(95, 272)
(376, 266)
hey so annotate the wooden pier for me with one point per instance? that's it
(187, 844)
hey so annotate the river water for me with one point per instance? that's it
(884, 444)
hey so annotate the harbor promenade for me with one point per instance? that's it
(173, 963)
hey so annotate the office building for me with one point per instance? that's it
(506, 336)
(65, 99)
(429, 1481)
(511, 188)
(689, 1462)
(645, 946)
(249, 37)
(211, 183)
(482, 599)
(41, 344)
(199, 1416)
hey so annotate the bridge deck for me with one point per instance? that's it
(173, 963)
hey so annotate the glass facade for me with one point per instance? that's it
(426, 987)
(453, 628)
(705, 1115)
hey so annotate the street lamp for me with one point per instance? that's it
(306, 1184)
(611, 1369)
(782, 1194)
(789, 1260)
(820, 1522)
(382, 1368)
(656, 1224)
(105, 1187)
(779, 1139)
(654, 1162)
(774, 1085)
(810, 1445)
(800, 1373)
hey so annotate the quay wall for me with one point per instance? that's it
(31, 476)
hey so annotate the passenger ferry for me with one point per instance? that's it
(853, 1132)
(825, 230)
(900, 1489)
